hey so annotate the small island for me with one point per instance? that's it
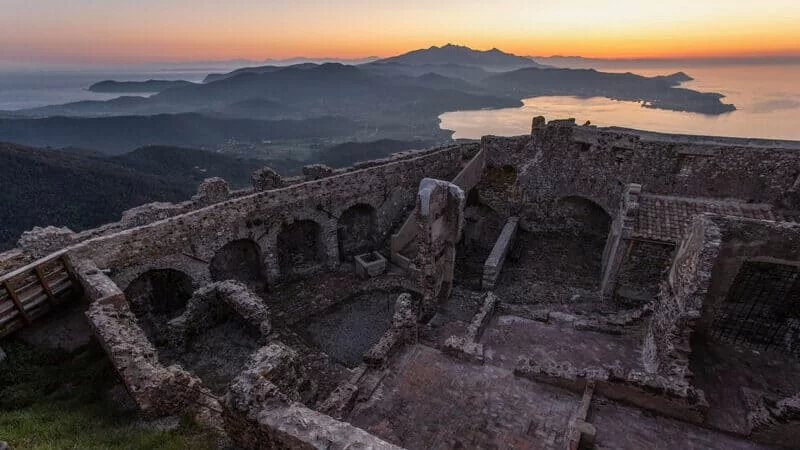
(149, 86)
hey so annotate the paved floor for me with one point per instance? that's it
(431, 401)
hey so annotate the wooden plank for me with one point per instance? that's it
(68, 266)
(16, 301)
(46, 286)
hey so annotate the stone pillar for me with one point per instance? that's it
(269, 250)
(329, 240)
(439, 216)
(539, 122)
(619, 238)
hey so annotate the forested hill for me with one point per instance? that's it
(52, 187)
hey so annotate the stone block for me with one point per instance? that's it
(212, 190)
(317, 171)
(370, 264)
(265, 178)
(40, 242)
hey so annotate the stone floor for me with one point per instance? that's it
(723, 370)
(347, 330)
(620, 427)
(507, 338)
(429, 401)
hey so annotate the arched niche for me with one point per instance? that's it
(357, 231)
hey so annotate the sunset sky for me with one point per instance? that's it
(130, 31)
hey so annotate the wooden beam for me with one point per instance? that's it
(47, 290)
(16, 301)
(68, 266)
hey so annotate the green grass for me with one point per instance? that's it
(50, 400)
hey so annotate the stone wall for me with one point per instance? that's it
(747, 240)
(679, 303)
(561, 160)
(390, 188)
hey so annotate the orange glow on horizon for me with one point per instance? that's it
(129, 31)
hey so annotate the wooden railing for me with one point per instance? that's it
(30, 292)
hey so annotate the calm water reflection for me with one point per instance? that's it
(767, 98)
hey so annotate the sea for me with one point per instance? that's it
(23, 89)
(767, 98)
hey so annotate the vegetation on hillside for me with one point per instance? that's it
(54, 400)
(80, 190)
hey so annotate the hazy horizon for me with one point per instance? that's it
(148, 31)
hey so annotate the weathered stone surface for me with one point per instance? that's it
(370, 264)
(404, 331)
(317, 171)
(211, 304)
(212, 190)
(439, 215)
(265, 178)
(467, 346)
(152, 212)
(259, 415)
(157, 390)
(40, 242)
(494, 263)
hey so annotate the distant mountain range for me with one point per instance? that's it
(492, 60)
(396, 98)
(149, 86)
(580, 62)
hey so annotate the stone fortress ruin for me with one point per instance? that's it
(578, 287)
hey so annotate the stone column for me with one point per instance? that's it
(439, 216)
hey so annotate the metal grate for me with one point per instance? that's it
(762, 310)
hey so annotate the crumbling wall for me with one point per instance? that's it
(239, 260)
(747, 240)
(389, 186)
(156, 389)
(212, 304)
(439, 216)
(156, 297)
(357, 231)
(560, 160)
(679, 303)
(259, 413)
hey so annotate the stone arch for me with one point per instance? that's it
(580, 214)
(239, 260)
(157, 296)
(300, 247)
(357, 231)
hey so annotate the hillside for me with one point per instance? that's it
(51, 187)
(654, 92)
(116, 135)
(149, 86)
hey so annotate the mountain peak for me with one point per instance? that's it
(492, 60)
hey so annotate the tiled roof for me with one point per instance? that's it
(664, 218)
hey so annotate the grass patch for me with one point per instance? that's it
(53, 400)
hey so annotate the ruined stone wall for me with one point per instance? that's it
(561, 160)
(390, 188)
(678, 304)
(747, 240)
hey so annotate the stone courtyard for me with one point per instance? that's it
(578, 287)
